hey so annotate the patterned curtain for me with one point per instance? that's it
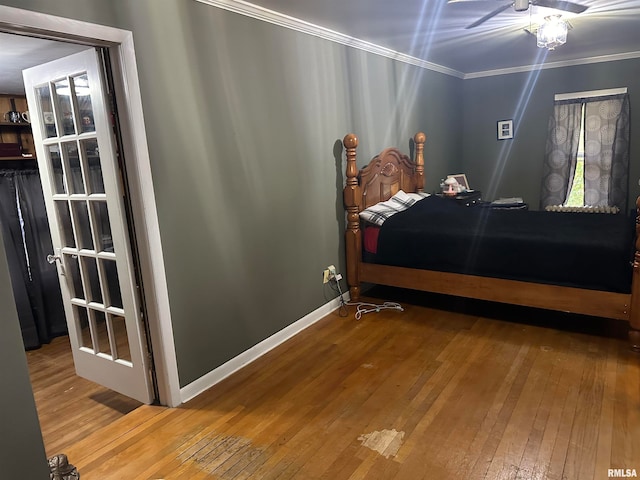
(561, 152)
(606, 151)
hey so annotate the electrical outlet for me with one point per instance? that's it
(325, 276)
(329, 274)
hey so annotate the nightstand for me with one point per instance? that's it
(466, 199)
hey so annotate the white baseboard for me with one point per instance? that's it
(223, 371)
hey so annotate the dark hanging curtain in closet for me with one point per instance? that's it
(27, 243)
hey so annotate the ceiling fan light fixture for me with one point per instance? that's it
(521, 5)
(552, 33)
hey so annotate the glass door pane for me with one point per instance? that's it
(83, 217)
(78, 164)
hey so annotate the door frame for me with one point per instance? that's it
(136, 156)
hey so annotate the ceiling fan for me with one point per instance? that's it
(523, 5)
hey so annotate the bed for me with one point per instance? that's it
(605, 284)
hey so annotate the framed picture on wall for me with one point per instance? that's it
(505, 129)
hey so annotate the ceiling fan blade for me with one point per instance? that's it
(472, 1)
(489, 15)
(560, 5)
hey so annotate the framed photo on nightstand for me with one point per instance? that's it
(461, 178)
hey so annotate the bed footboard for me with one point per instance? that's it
(634, 308)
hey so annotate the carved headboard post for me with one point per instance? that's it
(634, 308)
(352, 202)
(420, 138)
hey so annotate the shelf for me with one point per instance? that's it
(17, 158)
(16, 138)
(15, 124)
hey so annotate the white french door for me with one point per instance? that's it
(77, 159)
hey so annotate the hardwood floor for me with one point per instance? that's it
(448, 394)
(69, 407)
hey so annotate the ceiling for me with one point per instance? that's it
(434, 30)
(431, 31)
(18, 52)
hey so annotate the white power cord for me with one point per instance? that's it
(364, 307)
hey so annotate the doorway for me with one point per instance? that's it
(120, 46)
(69, 406)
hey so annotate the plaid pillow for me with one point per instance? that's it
(380, 212)
(419, 195)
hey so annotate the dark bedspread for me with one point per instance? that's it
(572, 249)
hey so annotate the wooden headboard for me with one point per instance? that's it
(388, 172)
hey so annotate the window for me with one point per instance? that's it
(587, 153)
(576, 189)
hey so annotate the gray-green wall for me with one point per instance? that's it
(22, 453)
(514, 167)
(244, 121)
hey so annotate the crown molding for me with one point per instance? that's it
(286, 21)
(544, 66)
